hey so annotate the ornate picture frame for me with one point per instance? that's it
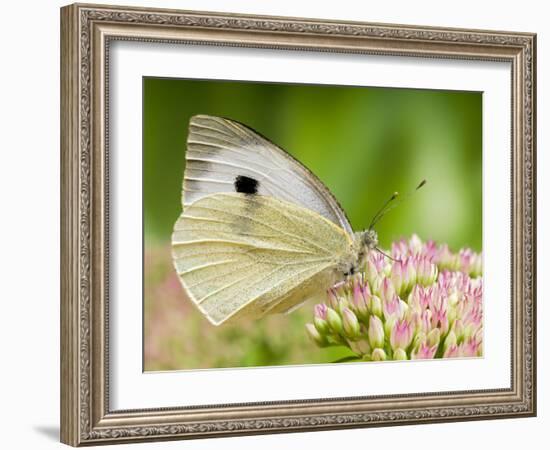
(87, 31)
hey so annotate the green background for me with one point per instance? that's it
(363, 143)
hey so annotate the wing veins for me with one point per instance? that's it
(313, 244)
(200, 125)
(320, 269)
(239, 243)
(265, 174)
(206, 266)
(222, 288)
(229, 149)
(207, 180)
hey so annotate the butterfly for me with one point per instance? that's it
(259, 232)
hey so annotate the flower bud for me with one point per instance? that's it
(426, 321)
(398, 277)
(449, 340)
(343, 303)
(476, 268)
(315, 336)
(378, 355)
(399, 249)
(452, 299)
(433, 337)
(332, 298)
(401, 334)
(452, 314)
(387, 291)
(375, 306)
(470, 348)
(444, 256)
(361, 347)
(359, 301)
(466, 257)
(388, 325)
(400, 354)
(413, 300)
(320, 325)
(419, 339)
(403, 309)
(458, 328)
(375, 285)
(376, 332)
(455, 263)
(451, 352)
(414, 318)
(394, 308)
(424, 351)
(320, 318)
(415, 244)
(334, 321)
(468, 331)
(371, 272)
(320, 311)
(350, 323)
(410, 274)
(426, 272)
(366, 289)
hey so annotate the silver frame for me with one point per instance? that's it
(86, 33)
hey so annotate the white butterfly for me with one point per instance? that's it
(259, 232)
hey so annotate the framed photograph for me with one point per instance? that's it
(277, 225)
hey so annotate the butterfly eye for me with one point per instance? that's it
(350, 271)
(246, 185)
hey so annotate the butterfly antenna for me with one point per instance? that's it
(390, 204)
(380, 212)
(385, 254)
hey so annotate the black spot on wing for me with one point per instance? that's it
(246, 185)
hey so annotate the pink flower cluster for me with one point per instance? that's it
(425, 302)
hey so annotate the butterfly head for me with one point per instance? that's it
(363, 243)
(368, 239)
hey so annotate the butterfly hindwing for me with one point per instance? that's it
(244, 255)
(226, 156)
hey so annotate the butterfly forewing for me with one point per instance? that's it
(245, 255)
(226, 156)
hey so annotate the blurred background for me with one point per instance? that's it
(363, 143)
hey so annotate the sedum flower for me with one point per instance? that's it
(426, 272)
(360, 347)
(425, 302)
(317, 337)
(401, 334)
(451, 352)
(393, 308)
(450, 340)
(334, 321)
(433, 337)
(400, 354)
(387, 290)
(350, 323)
(379, 354)
(424, 351)
(320, 318)
(375, 306)
(376, 331)
(472, 347)
(359, 301)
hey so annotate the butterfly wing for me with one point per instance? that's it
(226, 156)
(243, 255)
